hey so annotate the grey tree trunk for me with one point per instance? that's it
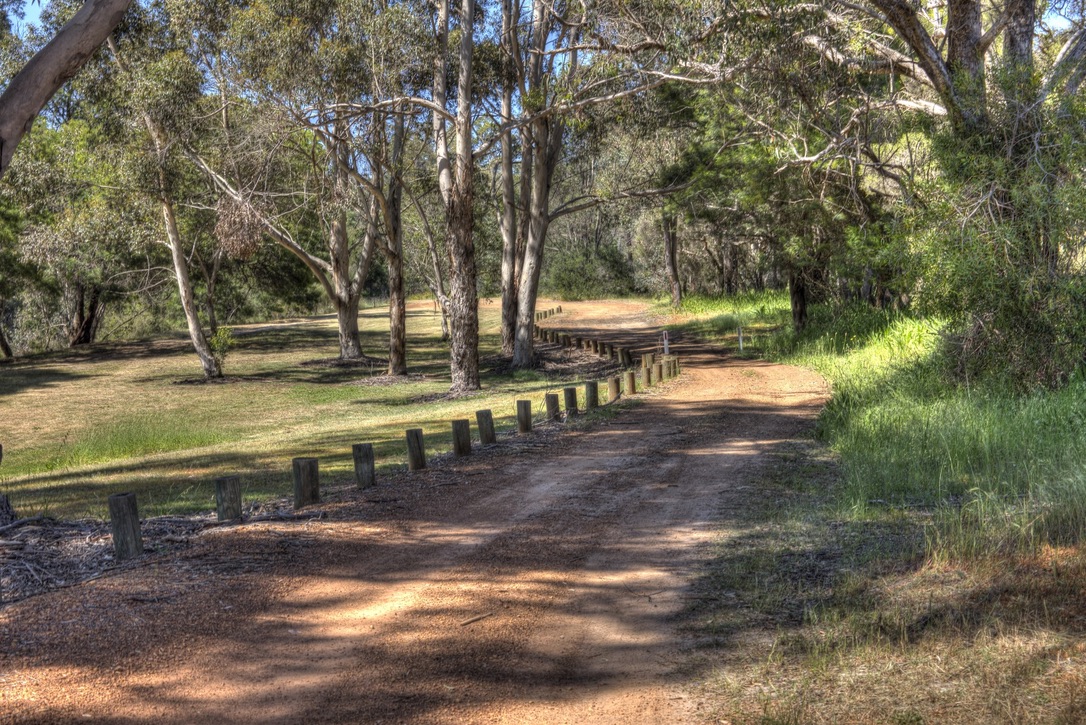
(508, 221)
(52, 67)
(671, 258)
(457, 190)
(397, 302)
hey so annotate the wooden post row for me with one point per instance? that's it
(365, 465)
(416, 450)
(485, 419)
(614, 389)
(461, 432)
(570, 400)
(228, 498)
(551, 401)
(125, 521)
(306, 482)
(524, 416)
(591, 395)
(631, 382)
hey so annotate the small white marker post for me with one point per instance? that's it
(740, 339)
(667, 344)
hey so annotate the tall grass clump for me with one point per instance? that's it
(140, 435)
(998, 469)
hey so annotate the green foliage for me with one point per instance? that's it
(1000, 470)
(221, 343)
(588, 274)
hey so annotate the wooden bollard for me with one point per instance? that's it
(631, 382)
(365, 465)
(416, 450)
(658, 372)
(577, 343)
(461, 432)
(559, 308)
(605, 350)
(591, 395)
(665, 370)
(524, 416)
(125, 520)
(1, 452)
(647, 360)
(485, 421)
(565, 341)
(228, 498)
(646, 377)
(614, 389)
(596, 346)
(551, 400)
(307, 486)
(569, 396)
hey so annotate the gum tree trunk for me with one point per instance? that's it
(671, 258)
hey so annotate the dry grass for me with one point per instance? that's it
(808, 617)
(79, 426)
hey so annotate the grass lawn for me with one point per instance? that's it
(78, 426)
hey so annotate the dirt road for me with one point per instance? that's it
(525, 585)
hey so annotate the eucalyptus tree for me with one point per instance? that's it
(30, 89)
(319, 74)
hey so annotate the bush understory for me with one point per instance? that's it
(997, 469)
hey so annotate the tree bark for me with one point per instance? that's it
(457, 190)
(5, 348)
(797, 292)
(671, 258)
(508, 221)
(397, 302)
(52, 66)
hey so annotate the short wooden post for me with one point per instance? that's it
(569, 396)
(461, 432)
(647, 360)
(551, 400)
(596, 346)
(631, 382)
(1, 452)
(665, 370)
(524, 416)
(416, 450)
(365, 468)
(658, 372)
(228, 498)
(603, 350)
(614, 389)
(591, 395)
(306, 482)
(577, 343)
(559, 308)
(646, 377)
(125, 520)
(485, 421)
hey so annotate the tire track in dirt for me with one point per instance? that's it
(576, 558)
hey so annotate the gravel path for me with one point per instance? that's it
(537, 582)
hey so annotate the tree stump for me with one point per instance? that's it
(569, 396)
(591, 395)
(125, 520)
(631, 382)
(306, 482)
(551, 400)
(228, 498)
(416, 450)
(485, 420)
(614, 389)
(461, 432)
(365, 471)
(524, 416)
